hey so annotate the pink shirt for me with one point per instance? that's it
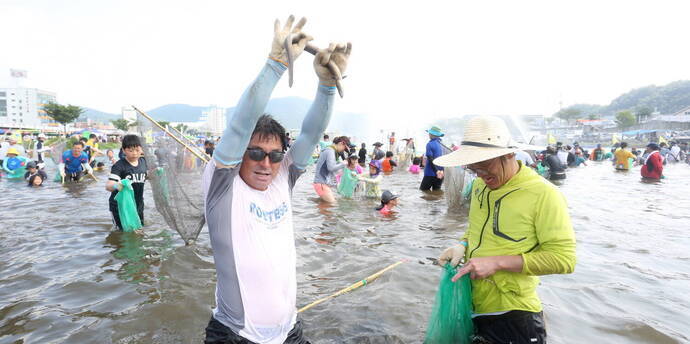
(414, 169)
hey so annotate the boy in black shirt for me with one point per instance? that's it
(132, 167)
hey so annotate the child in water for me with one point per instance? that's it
(388, 163)
(414, 169)
(33, 175)
(372, 183)
(388, 202)
(347, 181)
(99, 167)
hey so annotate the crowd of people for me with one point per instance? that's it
(556, 160)
(247, 190)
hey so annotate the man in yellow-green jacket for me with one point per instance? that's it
(519, 228)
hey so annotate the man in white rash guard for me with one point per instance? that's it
(247, 187)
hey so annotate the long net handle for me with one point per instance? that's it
(190, 149)
(352, 287)
(182, 136)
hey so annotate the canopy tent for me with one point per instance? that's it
(91, 131)
(639, 132)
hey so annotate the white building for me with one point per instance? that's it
(214, 118)
(23, 108)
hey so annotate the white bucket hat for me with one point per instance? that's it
(485, 137)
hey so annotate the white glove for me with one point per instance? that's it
(280, 34)
(452, 255)
(337, 53)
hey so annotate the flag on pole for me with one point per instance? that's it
(551, 140)
(18, 73)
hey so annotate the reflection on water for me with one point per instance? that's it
(65, 276)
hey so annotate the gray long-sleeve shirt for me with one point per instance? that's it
(326, 167)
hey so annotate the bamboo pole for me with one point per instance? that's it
(352, 287)
(193, 151)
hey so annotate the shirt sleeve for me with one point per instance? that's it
(313, 125)
(116, 172)
(555, 253)
(252, 104)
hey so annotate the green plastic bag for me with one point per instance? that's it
(127, 207)
(451, 317)
(348, 183)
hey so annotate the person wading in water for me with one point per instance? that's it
(519, 228)
(247, 187)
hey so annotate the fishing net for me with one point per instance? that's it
(451, 318)
(127, 207)
(405, 156)
(453, 183)
(175, 178)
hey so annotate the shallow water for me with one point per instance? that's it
(65, 276)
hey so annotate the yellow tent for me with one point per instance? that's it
(662, 140)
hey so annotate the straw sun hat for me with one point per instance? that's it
(485, 137)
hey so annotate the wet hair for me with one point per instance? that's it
(93, 136)
(208, 142)
(100, 164)
(624, 144)
(82, 139)
(326, 137)
(78, 143)
(130, 141)
(389, 154)
(31, 179)
(267, 127)
(416, 161)
(343, 139)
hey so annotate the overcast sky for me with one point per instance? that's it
(410, 61)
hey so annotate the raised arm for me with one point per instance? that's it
(240, 125)
(316, 121)
(313, 126)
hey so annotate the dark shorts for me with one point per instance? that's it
(430, 183)
(76, 176)
(557, 176)
(515, 327)
(217, 333)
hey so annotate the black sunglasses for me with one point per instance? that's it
(258, 154)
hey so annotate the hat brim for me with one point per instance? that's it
(436, 133)
(467, 155)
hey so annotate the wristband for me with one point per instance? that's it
(463, 243)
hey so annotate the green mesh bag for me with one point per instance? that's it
(127, 207)
(451, 319)
(165, 190)
(348, 183)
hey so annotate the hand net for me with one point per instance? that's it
(175, 177)
(453, 183)
(451, 318)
